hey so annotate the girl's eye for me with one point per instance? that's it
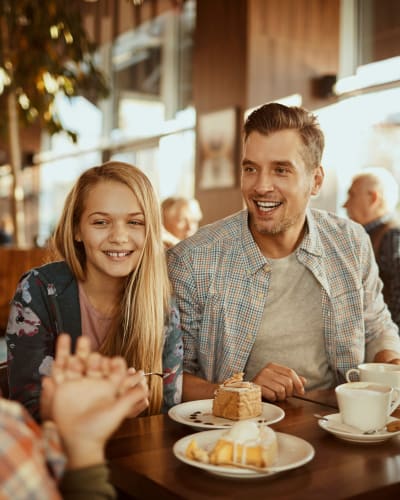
(136, 222)
(99, 222)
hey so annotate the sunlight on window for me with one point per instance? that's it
(360, 132)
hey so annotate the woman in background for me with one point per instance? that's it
(181, 218)
(111, 286)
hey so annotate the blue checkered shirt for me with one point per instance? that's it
(221, 281)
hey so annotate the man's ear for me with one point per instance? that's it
(318, 179)
(374, 196)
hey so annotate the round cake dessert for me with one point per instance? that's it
(245, 443)
(236, 399)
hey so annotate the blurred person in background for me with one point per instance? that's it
(6, 230)
(111, 285)
(371, 201)
(85, 399)
(181, 218)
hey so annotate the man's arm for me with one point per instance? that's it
(197, 388)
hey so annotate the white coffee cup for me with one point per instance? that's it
(366, 405)
(383, 373)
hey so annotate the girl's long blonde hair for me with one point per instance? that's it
(138, 332)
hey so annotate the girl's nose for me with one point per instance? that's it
(119, 233)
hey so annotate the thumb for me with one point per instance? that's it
(122, 407)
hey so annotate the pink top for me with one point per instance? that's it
(94, 324)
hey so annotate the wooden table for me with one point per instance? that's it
(143, 465)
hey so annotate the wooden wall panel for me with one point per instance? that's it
(219, 81)
(386, 29)
(291, 42)
(248, 52)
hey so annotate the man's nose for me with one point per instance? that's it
(264, 182)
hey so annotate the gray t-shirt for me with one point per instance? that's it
(291, 330)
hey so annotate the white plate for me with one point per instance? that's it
(198, 414)
(292, 452)
(379, 437)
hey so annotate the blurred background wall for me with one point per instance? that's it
(184, 74)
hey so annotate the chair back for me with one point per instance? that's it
(14, 262)
(4, 380)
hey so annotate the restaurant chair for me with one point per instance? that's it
(4, 380)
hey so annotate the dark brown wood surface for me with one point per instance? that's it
(143, 464)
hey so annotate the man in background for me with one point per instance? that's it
(371, 201)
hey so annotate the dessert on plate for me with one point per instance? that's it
(245, 443)
(236, 399)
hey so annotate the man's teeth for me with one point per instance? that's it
(117, 254)
(267, 205)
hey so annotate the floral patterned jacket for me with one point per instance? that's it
(45, 304)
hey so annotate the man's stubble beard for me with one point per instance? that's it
(279, 228)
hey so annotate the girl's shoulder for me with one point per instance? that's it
(54, 276)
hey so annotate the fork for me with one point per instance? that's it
(162, 375)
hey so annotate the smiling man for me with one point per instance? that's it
(289, 295)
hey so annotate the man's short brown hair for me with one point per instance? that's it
(273, 117)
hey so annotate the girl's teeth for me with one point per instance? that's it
(117, 254)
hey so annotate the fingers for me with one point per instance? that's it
(83, 347)
(66, 366)
(279, 382)
(130, 381)
(118, 371)
(74, 368)
(46, 397)
(94, 365)
(133, 402)
(63, 350)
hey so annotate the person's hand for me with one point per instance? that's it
(88, 395)
(387, 356)
(72, 367)
(278, 382)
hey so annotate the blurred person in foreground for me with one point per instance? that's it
(85, 399)
(371, 200)
(287, 294)
(111, 285)
(181, 218)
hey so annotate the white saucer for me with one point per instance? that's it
(198, 414)
(378, 437)
(293, 452)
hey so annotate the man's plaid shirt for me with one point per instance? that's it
(221, 282)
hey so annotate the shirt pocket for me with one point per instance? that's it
(348, 310)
